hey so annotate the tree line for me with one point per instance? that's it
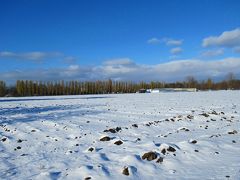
(52, 88)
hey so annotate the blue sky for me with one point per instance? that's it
(120, 39)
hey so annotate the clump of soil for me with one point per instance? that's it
(232, 132)
(160, 160)
(17, 148)
(150, 156)
(19, 141)
(185, 129)
(4, 139)
(118, 142)
(171, 149)
(88, 178)
(190, 116)
(125, 171)
(135, 125)
(91, 149)
(193, 141)
(204, 114)
(113, 130)
(163, 151)
(106, 138)
(214, 112)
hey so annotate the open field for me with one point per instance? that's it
(193, 135)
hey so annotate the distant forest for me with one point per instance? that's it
(52, 88)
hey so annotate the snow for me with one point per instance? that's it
(51, 137)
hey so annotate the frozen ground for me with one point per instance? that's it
(191, 135)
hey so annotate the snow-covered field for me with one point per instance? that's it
(189, 136)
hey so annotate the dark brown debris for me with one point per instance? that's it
(194, 141)
(163, 151)
(125, 171)
(214, 112)
(150, 156)
(232, 132)
(160, 160)
(19, 141)
(87, 178)
(185, 129)
(106, 138)
(118, 142)
(204, 114)
(171, 149)
(4, 139)
(190, 116)
(91, 149)
(135, 125)
(113, 130)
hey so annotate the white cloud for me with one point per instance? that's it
(176, 50)
(236, 49)
(31, 56)
(167, 41)
(69, 60)
(226, 39)
(7, 54)
(212, 53)
(125, 69)
(119, 61)
(154, 41)
(172, 57)
(173, 42)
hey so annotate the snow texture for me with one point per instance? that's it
(183, 135)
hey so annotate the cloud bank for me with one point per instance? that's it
(127, 70)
